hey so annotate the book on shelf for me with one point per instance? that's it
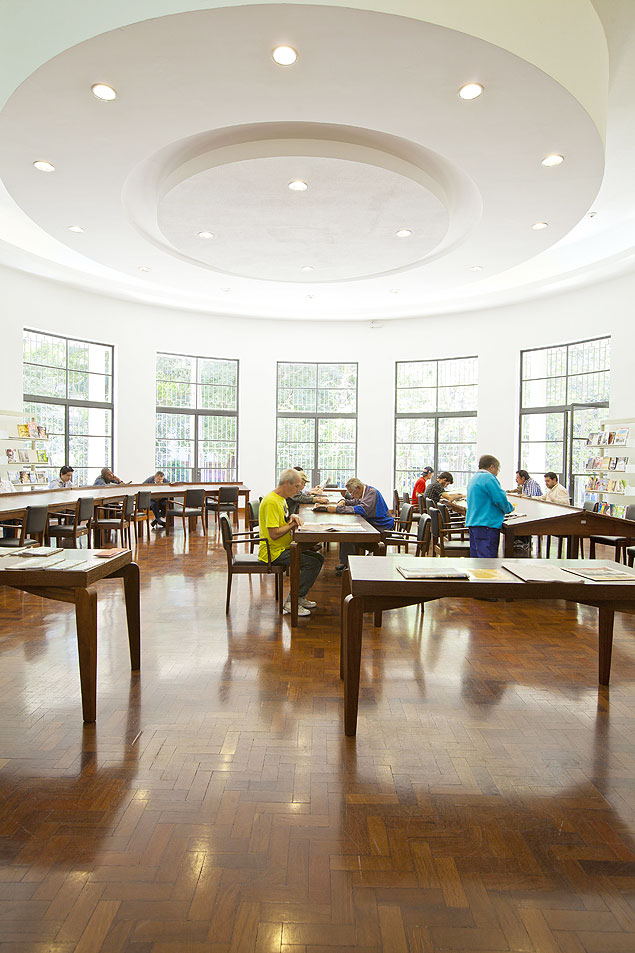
(25, 476)
(23, 432)
(621, 463)
(14, 476)
(40, 477)
(42, 456)
(41, 433)
(607, 463)
(604, 439)
(621, 437)
(12, 454)
(23, 456)
(6, 486)
(32, 428)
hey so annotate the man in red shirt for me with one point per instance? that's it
(420, 485)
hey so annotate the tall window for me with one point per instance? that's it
(197, 418)
(563, 395)
(68, 386)
(435, 419)
(317, 420)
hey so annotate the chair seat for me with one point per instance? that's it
(189, 511)
(14, 543)
(610, 540)
(251, 559)
(224, 507)
(62, 530)
(456, 547)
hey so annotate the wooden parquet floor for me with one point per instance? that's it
(486, 805)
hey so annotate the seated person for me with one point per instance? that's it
(304, 496)
(106, 478)
(157, 506)
(65, 479)
(420, 486)
(526, 486)
(437, 490)
(366, 501)
(556, 493)
(276, 526)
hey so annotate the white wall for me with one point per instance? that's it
(138, 331)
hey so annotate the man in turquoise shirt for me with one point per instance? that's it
(487, 505)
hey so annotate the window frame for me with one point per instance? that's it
(316, 415)
(434, 415)
(69, 402)
(197, 412)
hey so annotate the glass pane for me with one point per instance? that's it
(50, 416)
(413, 458)
(416, 400)
(457, 430)
(299, 400)
(586, 420)
(95, 358)
(44, 381)
(337, 375)
(544, 393)
(44, 349)
(92, 421)
(224, 373)
(415, 430)
(336, 430)
(171, 394)
(458, 398)
(217, 428)
(295, 455)
(590, 356)
(546, 362)
(90, 452)
(337, 401)
(457, 457)
(176, 367)
(299, 429)
(171, 453)
(580, 455)
(542, 427)
(93, 387)
(217, 397)
(417, 374)
(217, 460)
(538, 458)
(175, 427)
(297, 375)
(589, 388)
(459, 372)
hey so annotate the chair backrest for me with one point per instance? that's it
(589, 506)
(85, 508)
(396, 501)
(144, 498)
(194, 498)
(630, 511)
(429, 504)
(405, 516)
(423, 527)
(228, 494)
(445, 513)
(226, 536)
(421, 503)
(36, 517)
(253, 508)
(129, 503)
(405, 497)
(435, 522)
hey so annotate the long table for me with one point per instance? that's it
(377, 585)
(13, 505)
(316, 531)
(75, 585)
(539, 518)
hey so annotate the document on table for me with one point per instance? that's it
(325, 527)
(537, 570)
(603, 574)
(449, 573)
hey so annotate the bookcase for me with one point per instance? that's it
(610, 466)
(19, 457)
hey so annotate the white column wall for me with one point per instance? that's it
(138, 331)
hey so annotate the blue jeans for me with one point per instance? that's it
(484, 542)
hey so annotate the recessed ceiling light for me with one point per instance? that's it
(310, 297)
(470, 91)
(404, 233)
(43, 166)
(75, 228)
(591, 214)
(143, 268)
(298, 185)
(307, 268)
(205, 234)
(284, 55)
(552, 160)
(394, 291)
(538, 225)
(226, 290)
(476, 268)
(104, 92)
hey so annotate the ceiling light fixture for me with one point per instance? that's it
(205, 234)
(404, 233)
(470, 91)
(143, 268)
(476, 268)
(75, 228)
(553, 160)
(104, 92)
(43, 166)
(591, 214)
(307, 268)
(394, 291)
(298, 185)
(538, 225)
(284, 55)
(310, 297)
(226, 290)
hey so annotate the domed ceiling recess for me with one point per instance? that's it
(355, 182)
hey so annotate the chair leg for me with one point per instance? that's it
(560, 545)
(592, 549)
(229, 592)
(204, 522)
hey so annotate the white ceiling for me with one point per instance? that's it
(207, 132)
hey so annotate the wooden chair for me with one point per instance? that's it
(242, 563)
(226, 501)
(108, 519)
(421, 538)
(620, 543)
(31, 531)
(399, 535)
(396, 503)
(142, 512)
(253, 518)
(590, 507)
(452, 520)
(442, 542)
(192, 507)
(78, 523)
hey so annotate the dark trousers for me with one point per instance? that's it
(158, 508)
(484, 542)
(311, 563)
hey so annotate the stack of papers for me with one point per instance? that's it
(603, 574)
(537, 570)
(409, 573)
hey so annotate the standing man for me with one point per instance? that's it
(157, 506)
(556, 493)
(64, 480)
(276, 527)
(437, 491)
(365, 501)
(487, 505)
(420, 486)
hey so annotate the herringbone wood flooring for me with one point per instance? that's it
(487, 803)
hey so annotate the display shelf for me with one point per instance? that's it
(618, 500)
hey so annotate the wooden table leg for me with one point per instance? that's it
(509, 536)
(573, 547)
(354, 621)
(379, 550)
(86, 622)
(605, 626)
(130, 576)
(294, 580)
(246, 511)
(346, 588)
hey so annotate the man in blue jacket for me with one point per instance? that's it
(487, 505)
(368, 502)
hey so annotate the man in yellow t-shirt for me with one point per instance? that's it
(276, 527)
